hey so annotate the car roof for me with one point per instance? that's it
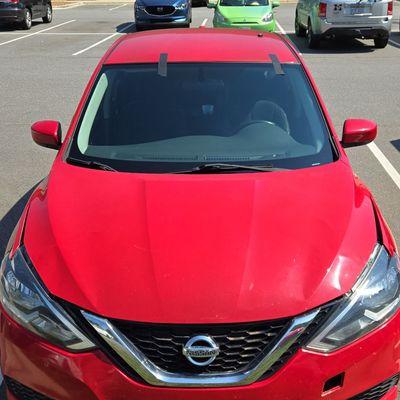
(201, 45)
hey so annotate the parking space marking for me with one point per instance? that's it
(68, 7)
(285, 33)
(37, 33)
(204, 22)
(103, 40)
(395, 44)
(116, 8)
(386, 164)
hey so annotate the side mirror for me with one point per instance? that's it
(47, 134)
(275, 3)
(212, 3)
(357, 132)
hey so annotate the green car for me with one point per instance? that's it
(247, 14)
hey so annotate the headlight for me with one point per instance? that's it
(268, 17)
(372, 301)
(182, 6)
(139, 6)
(26, 302)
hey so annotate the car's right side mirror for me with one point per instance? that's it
(357, 132)
(212, 3)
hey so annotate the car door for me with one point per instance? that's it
(36, 6)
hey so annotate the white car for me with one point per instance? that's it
(364, 19)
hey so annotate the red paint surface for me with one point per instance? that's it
(197, 45)
(90, 376)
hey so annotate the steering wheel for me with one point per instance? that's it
(253, 122)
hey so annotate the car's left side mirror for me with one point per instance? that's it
(357, 132)
(212, 3)
(47, 134)
(275, 3)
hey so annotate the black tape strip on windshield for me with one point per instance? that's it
(276, 64)
(162, 64)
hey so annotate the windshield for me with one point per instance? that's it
(139, 120)
(239, 3)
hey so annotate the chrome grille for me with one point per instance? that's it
(240, 344)
(160, 10)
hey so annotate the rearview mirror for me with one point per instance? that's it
(357, 132)
(212, 3)
(47, 134)
(275, 3)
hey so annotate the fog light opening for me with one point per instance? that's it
(334, 383)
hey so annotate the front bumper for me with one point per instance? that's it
(61, 375)
(379, 28)
(265, 27)
(11, 14)
(178, 18)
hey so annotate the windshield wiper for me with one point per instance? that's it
(222, 167)
(91, 164)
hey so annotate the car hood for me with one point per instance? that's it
(199, 248)
(247, 13)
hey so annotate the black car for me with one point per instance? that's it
(23, 12)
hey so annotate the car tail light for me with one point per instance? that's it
(390, 8)
(322, 10)
(11, 1)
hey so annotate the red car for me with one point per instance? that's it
(202, 236)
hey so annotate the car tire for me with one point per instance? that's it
(26, 23)
(299, 30)
(381, 42)
(49, 14)
(313, 40)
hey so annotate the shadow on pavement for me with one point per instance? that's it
(8, 222)
(13, 27)
(123, 28)
(333, 46)
(396, 144)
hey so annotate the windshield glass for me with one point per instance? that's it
(139, 120)
(239, 3)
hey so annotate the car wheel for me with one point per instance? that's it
(312, 39)
(381, 42)
(49, 14)
(299, 30)
(27, 21)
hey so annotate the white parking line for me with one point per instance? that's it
(59, 33)
(68, 7)
(36, 33)
(116, 8)
(386, 164)
(395, 44)
(103, 40)
(280, 27)
(204, 22)
(285, 33)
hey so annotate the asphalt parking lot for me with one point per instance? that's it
(43, 73)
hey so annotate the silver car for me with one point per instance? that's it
(364, 19)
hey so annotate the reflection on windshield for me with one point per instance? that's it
(239, 3)
(201, 113)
